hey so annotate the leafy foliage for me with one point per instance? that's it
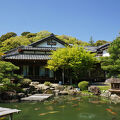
(14, 42)
(71, 40)
(100, 42)
(6, 71)
(111, 64)
(7, 36)
(83, 85)
(29, 35)
(76, 58)
(25, 82)
(24, 33)
(47, 83)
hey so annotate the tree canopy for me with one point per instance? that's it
(24, 33)
(111, 64)
(14, 42)
(7, 36)
(76, 59)
(6, 71)
(101, 42)
(11, 40)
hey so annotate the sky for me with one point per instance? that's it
(78, 18)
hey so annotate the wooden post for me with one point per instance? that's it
(11, 117)
(63, 76)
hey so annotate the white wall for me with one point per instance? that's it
(105, 53)
(44, 44)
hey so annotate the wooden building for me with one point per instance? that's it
(33, 58)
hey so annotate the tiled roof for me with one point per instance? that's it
(28, 57)
(39, 48)
(103, 46)
(52, 36)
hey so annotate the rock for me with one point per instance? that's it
(34, 83)
(68, 88)
(56, 92)
(115, 98)
(42, 87)
(48, 91)
(72, 92)
(59, 87)
(21, 95)
(63, 93)
(105, 94)
(95, 90)
(52, 88)
(54, 85)
(26, 90)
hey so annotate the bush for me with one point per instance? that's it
(25, 82)
(83, 85)
(47, 83)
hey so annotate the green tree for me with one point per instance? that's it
(111, 64)
(40, 35)
(29, 35)
(101, 42)
(71, 40)
(91, 42)
(24, 33)
(76, 59)
(7, 36)
(6, 71)
(14, 42)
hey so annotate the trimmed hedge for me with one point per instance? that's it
(83, 85)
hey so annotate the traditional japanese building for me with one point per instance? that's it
(33, 58)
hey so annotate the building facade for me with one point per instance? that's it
(32, 59)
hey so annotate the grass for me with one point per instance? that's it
(86, 92)
(104, 87)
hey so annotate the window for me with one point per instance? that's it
(42, 72)
(25, 70)
(51, 74)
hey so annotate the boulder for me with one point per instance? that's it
(59, 87)
(115, 98)
(105, 94)
(56, 92)
(34, 83)
(68, 88)
(63, 93)
(72, 92)
(42, 87)
(95, 90)
(54, 85)
(48, 91)
(21, 95)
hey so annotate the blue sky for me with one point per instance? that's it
(78, 18)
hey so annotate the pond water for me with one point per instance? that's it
(67, 108)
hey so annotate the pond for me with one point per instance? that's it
(67, 108)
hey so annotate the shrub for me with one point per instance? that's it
(47, 83)
(25, 82)
(83, 85)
